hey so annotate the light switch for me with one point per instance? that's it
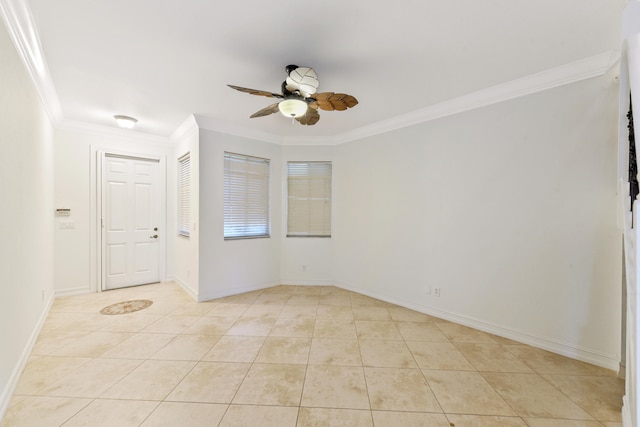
(67, 225)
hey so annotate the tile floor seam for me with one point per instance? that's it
(164, 399)
(515, 411)
(149, 414)
(426, 381)
(586, 410)
(541, 377)
(366, 386)
(541, 364)
(77, 412)
(245, 375)
(490, 385)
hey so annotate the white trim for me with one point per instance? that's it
(626, 414)
(193, 294)
(186, 129)
(216, 125)
(235, 291)
(19, 22)
(295, 282)
(594, 66)
(587, 68)
(22, 30)
(608, 361)
(101, 130)
(61, 293)
(10, 386)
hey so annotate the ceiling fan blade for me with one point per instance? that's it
(311, 117)
(335, 101)
(273, 108)
(256, 92)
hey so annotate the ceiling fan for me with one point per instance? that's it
(299, 97)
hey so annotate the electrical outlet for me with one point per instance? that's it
(436, 292)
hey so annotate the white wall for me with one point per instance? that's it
(26, 217)
(509, 209)
(75, 188)
(234, 266)
(630, 83)
(183, 258)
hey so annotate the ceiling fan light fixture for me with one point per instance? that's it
(125, 121)
(292, 108)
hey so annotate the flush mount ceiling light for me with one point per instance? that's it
(292, 107)
(125, 121)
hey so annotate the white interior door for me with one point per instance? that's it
(130, 221)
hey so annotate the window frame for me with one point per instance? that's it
(303, 201)
(183, 219)
(246, 197)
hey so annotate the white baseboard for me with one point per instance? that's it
(193, 294)
(71, 292)
(219, 293)
(226, 292)
(583, 354)
(294, 282)
(7, 392)
(626, 413)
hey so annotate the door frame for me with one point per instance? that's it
(97, 243)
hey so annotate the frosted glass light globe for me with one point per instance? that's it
(125, 121)
(292, 108)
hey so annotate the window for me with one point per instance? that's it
(309, 199)
(184, 195)
(246, 196)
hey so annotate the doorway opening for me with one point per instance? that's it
(131, 220)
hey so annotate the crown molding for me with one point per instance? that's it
(101, 130)
(20, 25)
(187, 128)
(310, 140)
(594, 66)
(215, 125)
(587, 68)
(22, 30)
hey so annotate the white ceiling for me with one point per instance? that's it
(163, 60)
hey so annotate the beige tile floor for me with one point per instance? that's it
(293, 356)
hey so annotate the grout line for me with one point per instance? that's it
(314, 309)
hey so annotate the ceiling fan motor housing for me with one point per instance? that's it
(303, 80)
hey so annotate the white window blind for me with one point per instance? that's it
(184, 195)
(309, 199)
(246, 196)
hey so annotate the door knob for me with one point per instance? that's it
(155, 236)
